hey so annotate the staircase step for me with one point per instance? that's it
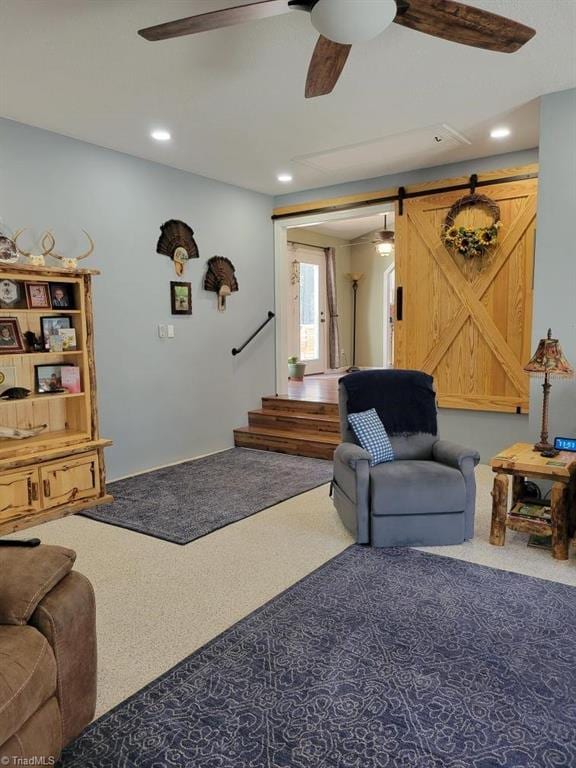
(280, 403)
(313, 444)
(293, 421)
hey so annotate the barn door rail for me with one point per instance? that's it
(402, 194)
(237, 350)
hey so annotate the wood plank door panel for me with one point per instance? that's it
(19, 494)
(468, 322)
(70, 480)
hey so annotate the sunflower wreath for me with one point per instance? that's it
(471, 242)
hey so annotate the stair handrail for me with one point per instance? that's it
(237, 350)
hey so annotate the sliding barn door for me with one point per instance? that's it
(468, 322)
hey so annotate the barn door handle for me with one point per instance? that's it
(46, 488)
(399, 302)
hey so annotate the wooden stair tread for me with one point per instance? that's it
(308, 437)
(286, 403)
(277, 413)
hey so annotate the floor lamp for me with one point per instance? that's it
(355, 277)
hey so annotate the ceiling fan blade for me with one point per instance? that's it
(259, 9)
(464, 24)
(326, 65)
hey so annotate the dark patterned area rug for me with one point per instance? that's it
(186, 501)
(379, 659)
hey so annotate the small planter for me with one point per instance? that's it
(296, 369)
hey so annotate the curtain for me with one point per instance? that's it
(333, 332)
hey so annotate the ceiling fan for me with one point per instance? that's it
(344, 22)
(382, 239)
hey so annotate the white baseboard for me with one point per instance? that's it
(170, 464)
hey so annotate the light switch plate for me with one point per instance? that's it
(162, 331)
(170, 331)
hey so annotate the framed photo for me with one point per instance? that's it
(38, 295)
(51, 326)
(12, 295)
(7, 377)
(62, 296)
(10, 336)
(49, 378)
(181, 298)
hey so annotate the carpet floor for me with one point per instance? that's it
(379, 658)
(184, 502)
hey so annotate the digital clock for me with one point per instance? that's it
(565, 443)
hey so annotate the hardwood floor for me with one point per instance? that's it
(319, 389)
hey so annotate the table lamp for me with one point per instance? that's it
(548, 361)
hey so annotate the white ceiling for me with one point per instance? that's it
(350, 229)
(234, 98)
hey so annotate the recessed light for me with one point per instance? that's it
(161, 135)
(500, 133)
(285, 178)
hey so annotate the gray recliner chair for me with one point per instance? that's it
(427, 495)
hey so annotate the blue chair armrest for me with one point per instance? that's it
(454, 455)
(351, 454)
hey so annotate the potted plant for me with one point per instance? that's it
(296, 369)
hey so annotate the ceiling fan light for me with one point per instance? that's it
(352, 21)
(385, 249)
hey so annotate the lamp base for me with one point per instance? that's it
(546, 448)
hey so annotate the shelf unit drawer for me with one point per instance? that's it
(19, 494)
(70, 480)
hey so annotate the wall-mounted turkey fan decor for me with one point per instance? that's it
(221, 278)
(342, 23)
(177, 242)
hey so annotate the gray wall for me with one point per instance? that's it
(555, 278)
(160, 400)
(488, 432)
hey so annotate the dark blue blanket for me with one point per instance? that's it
(404, 400)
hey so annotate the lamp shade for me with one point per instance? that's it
(549, 359)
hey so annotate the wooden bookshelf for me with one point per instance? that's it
(61, 470)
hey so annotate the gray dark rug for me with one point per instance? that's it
(380, 659)
(187, 501)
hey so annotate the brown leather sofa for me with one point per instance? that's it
(47, 652)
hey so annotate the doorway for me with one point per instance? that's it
(307, 307)
(338, 245)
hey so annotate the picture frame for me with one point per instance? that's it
(38, 295)
(62, 296)
(49, 326)
(48, 378)
(10, 336)
(12, 294)
(181, 298)
(7, 377)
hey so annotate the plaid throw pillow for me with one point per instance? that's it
(372, 435)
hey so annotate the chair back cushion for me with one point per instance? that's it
(417, 447)
(372, 436)
(404, 400)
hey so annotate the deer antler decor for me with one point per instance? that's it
(36, 259)
(221, 279)
(71, 262)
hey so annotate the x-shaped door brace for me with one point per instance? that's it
(470, 294)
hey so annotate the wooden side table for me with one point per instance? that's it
(520, 462)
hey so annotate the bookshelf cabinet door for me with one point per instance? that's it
(19, 494)
(70, 480)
